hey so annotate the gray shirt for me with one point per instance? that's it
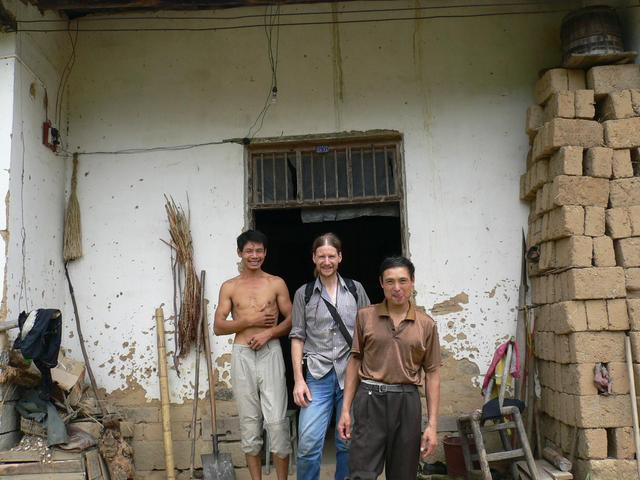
(324, 346)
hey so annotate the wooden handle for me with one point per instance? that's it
(164, 396)
(557, 459)
(634, 402)
(212, 380)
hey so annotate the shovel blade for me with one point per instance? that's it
(220, 468)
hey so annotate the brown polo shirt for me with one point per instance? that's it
(395, 355)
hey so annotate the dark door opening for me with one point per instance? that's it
(366, 241)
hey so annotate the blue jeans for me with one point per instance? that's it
(312, 428)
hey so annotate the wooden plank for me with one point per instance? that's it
(50, 476)
(92, 458)
(586, 61)
(33, 456)
(546, 471)
(64, 466)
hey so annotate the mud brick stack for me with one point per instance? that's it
(583, 187)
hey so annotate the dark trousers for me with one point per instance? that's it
(386, 433)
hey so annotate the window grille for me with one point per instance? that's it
(324, 174)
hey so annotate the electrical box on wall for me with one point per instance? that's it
(50, 136)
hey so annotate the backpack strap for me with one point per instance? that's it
(308, 291)
(351, 286)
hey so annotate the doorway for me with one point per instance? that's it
(366, 241)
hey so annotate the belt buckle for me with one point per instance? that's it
(382, 388)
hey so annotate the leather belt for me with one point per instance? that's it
(384, 388)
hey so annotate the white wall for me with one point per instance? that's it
(35, 175)
(457, 89)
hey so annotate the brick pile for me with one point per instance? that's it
(583, 186)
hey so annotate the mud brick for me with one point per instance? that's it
(565, 408)
(543, 319)
(591, 347)
(567, 317)
(625, 192)
(547, 198)
(598, 161)
(628, 252)
(566, 437)
(547, 374)
(562, 352)
(599, 411)
(586, 191)
(618, 222)
(557, 80)
(578, 379)
(595, 282)
(592, 443)
(585, 104)
(606, 469)
(594, 225)
(635, 100)
(538, 210)
(623, 133)
(539, 290)
(619, 377)
(632, 278)
(566, 161)
(603, 254)
(524, 193)
(564, 222)
(635, 345)
(546, 401)
(535, 232)
(609, 78)
(573, 251)
(562, 105)
(621, 164)
(621, 443)
(618, 314)
(535, 119)
(547, 256)
(634, 219)
(596, 314)
(633, 310)
(562, 132)
(539, 174)
(616, 105)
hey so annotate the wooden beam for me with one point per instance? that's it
(97, 6)
(7, 20)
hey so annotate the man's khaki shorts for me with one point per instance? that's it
(260, 390)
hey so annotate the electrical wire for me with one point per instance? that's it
(163, 148)
(66, 72)
(306, 24)
(271, 23)
(368, 10)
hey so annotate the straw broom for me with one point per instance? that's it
(72, 229)
(72, 250)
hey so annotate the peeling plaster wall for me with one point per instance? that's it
(457, 89)
(35, 175)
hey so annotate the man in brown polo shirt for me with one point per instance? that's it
(393, 344)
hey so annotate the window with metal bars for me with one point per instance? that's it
(324, 174)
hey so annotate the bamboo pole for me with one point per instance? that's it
(164, 396)
(634, 402)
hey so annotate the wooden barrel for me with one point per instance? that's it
(591, 31)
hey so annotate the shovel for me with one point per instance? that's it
(216, 465)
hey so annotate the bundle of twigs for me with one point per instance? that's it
(186, 286)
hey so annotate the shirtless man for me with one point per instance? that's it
(255, 299)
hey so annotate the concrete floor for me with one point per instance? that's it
(327, 469)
